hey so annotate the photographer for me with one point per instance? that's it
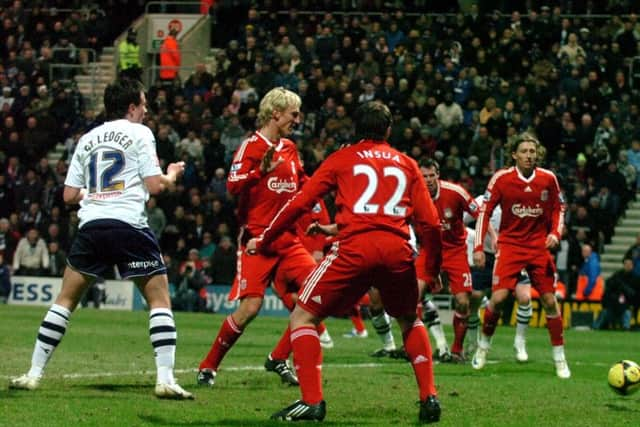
(190, 293)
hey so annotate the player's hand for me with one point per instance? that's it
(317, 228)
(551, 242)
(479, 259)
(252, 246)
(176, 169)
(268, 164)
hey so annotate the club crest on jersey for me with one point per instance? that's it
(544, 195)
(236, 167)
(316, 208)
(448, 213)
(278, 185)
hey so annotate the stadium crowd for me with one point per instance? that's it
(460, 86)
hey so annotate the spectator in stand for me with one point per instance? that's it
(170, 57)
(156, 218)
(129, 56)
(619, 294)
(57, 260)
(5, 280)
(590, 283)
(633, 253)
(223, 262)
(31, 257)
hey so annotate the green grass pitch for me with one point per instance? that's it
(103, 375)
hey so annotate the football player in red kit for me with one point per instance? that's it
(452, 201)
(266, 171)
(378, 190)
(531, 224)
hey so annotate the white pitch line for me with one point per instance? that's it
(252, 368)
(190, 371)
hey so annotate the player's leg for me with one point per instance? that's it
(481, 285)
(53, 328)
(230, 331)
(382, 324)
(331, 288)
(359, 329)
(542, 275)
(459, 274)
(399, 302)
(294, 267)
(163, 335)
(431, 319)
(523, 317)
(307, 356)
(254, 274)
(508, 264)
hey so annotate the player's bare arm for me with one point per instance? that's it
(159, 183)
(73, 195)
(326, 229)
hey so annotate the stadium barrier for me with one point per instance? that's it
(31, 290)
(123, 295)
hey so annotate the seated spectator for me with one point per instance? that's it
(32, 256)
(57, 260)
(223, 262)
(633, 253)
(620, 291)
(590, 282)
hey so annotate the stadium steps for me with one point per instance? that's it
(93, 90)
(624, 236)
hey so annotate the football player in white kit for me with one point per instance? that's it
(112, 172)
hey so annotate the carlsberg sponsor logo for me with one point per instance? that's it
(280, 186)
(526, 211)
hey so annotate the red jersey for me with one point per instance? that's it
(452, 201)
(532, 208)
(260, 197)
(377, 188)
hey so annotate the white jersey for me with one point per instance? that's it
(111, 162)
(496, 216)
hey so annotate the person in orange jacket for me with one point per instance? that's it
(170, 58)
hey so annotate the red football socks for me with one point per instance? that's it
(490, 323)
(460, 330)
(227, 336)
(555, 327)
(417, 346)
(307, 360)
(283, 348)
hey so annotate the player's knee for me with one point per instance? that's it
(247, 310)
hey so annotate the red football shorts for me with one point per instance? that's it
(511, 259)
(376, 258)
(254, 272)
(454, 263)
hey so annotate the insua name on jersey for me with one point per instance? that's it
(376, 154)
